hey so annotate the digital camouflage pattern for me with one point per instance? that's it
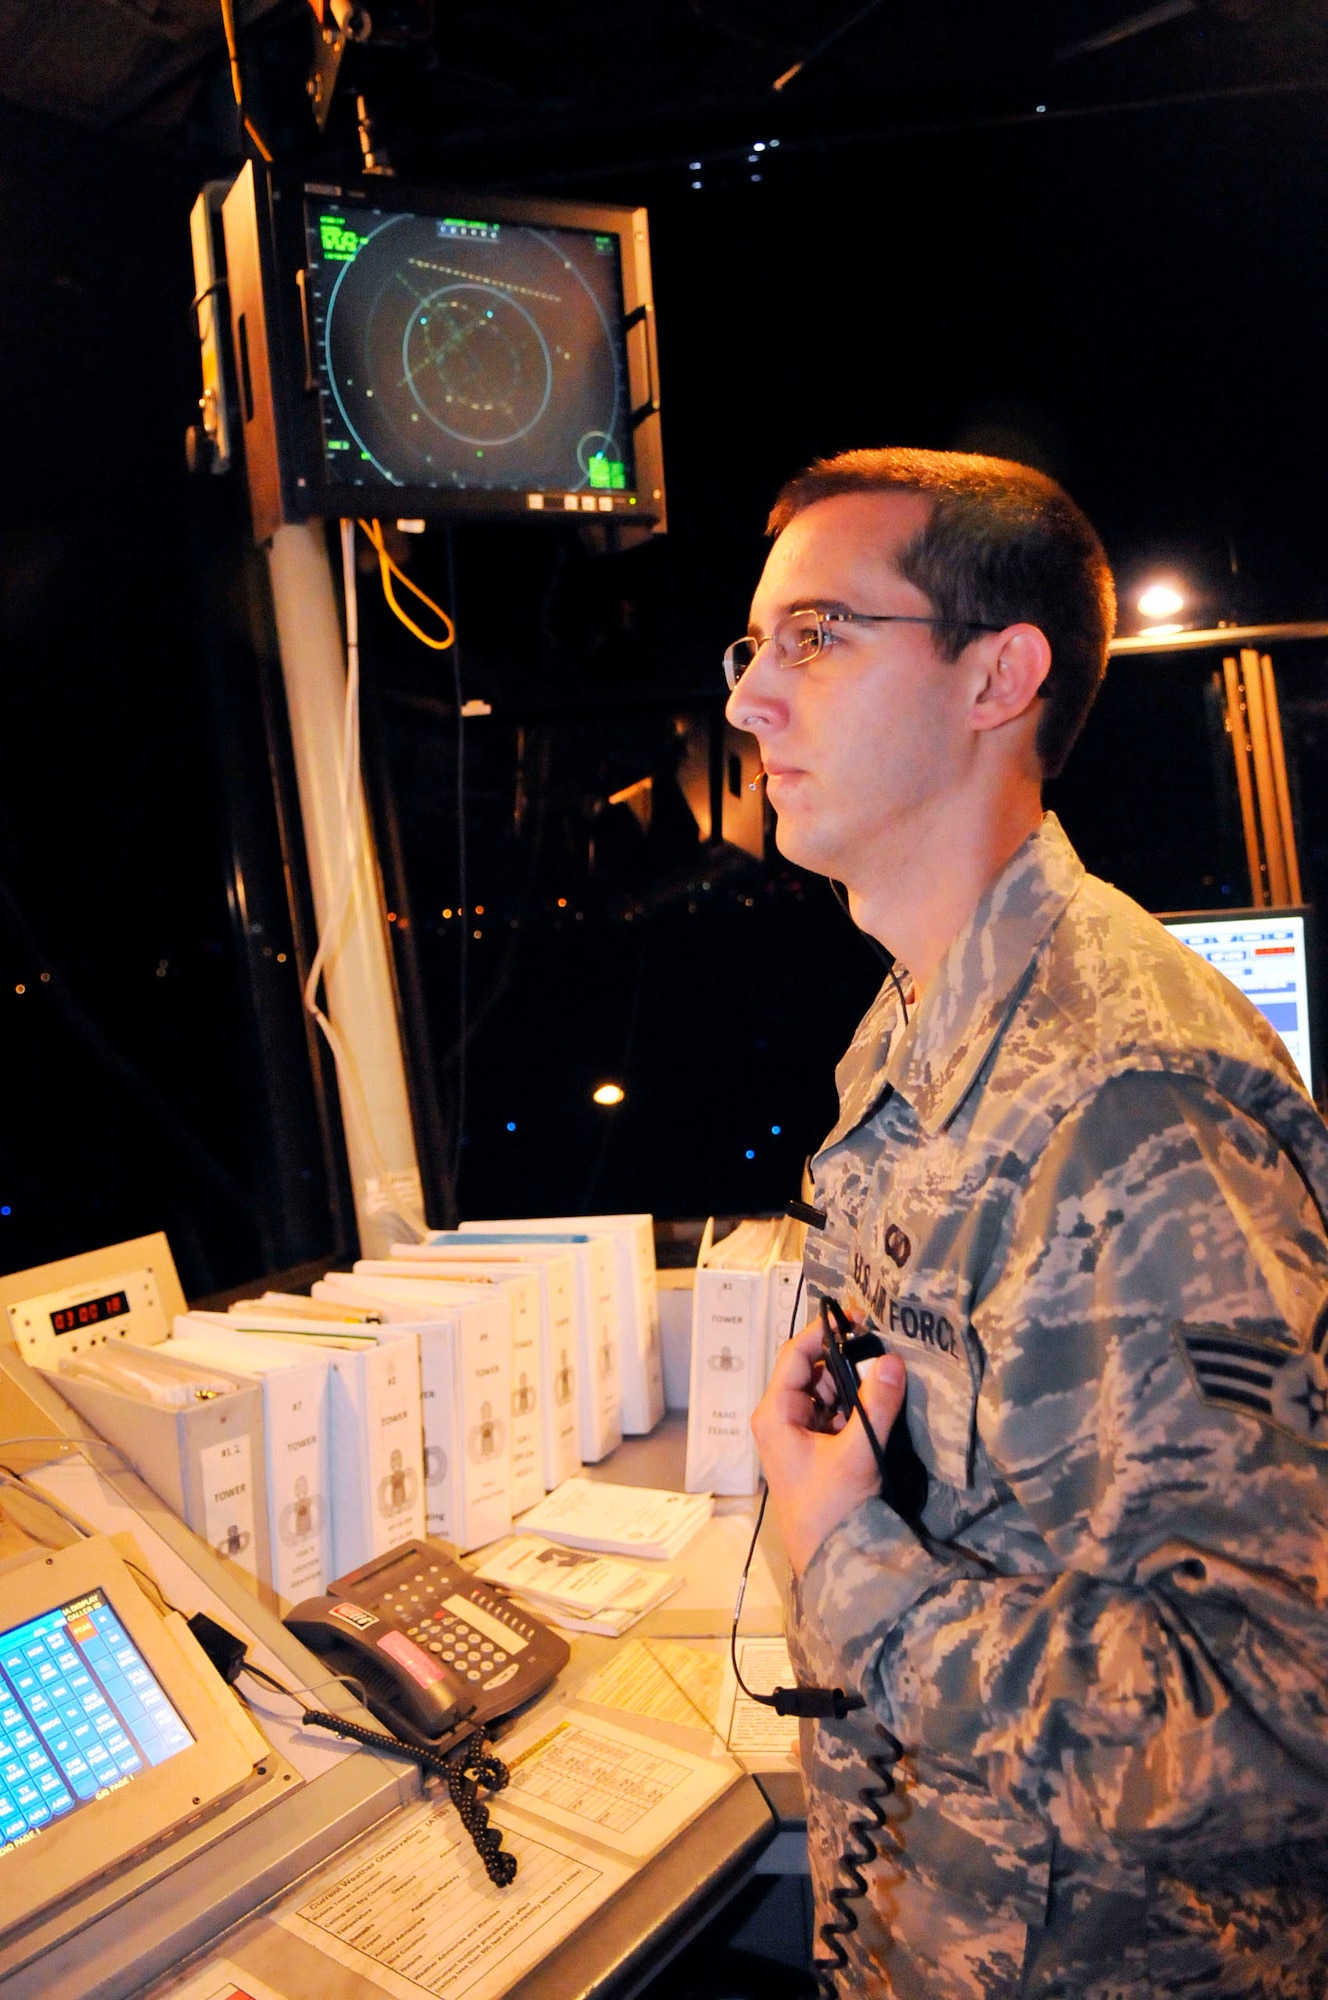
(1082, 1193)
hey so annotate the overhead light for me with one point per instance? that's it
(1161, 600)
(609, 1093)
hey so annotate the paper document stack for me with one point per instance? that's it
(620, 1520)
(578, 1590)
(739, 1315)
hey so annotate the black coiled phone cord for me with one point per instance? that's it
(859, 1852)
(464, 1769)
(467, 1769)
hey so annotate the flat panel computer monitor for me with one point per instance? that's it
(443, 355)
(1266, 954)
(111, 1737)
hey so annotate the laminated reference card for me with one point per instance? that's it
(673, 1688)
(603, 1782)
(752, 1731)
(412, 1911)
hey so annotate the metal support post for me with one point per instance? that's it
(360, 989)
(1255, 727)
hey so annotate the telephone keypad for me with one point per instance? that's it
(470, 1627)
(458, 1644)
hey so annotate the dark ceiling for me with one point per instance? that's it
(509, 86)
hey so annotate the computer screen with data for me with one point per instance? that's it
(1264, 953)
(81, 1714)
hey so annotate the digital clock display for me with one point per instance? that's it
(90, 1312)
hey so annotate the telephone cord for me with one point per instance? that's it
(464, 1769)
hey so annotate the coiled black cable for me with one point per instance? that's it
(464, 1768)
(860, 1851)
(467, 1769)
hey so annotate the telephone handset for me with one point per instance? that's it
(433, 1647)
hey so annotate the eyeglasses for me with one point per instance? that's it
(799, 636)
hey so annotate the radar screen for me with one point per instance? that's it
(469, 356)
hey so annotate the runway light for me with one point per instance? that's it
(609, 1093)
(749, 1154)
(511, 1124)
(1161, 600)
(775, 1131)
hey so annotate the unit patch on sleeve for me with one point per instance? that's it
(1276, 1384)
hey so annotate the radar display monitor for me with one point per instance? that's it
(466, 357)
(1266, 954)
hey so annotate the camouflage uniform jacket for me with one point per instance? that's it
(1082, 1193)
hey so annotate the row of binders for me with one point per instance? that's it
(442, 1390)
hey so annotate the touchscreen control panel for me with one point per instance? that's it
(81, 1714)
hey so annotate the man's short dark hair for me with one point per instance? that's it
(1004, 546)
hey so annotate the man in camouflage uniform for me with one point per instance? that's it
(1076, 1187)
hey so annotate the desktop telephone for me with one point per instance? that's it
(435, 1649)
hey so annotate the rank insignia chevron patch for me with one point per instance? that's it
(1280, 1386)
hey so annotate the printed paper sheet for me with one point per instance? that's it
(660, 1680)
(752, 1731)
(417, 1914)
(609, 1784)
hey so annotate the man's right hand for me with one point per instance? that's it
(818, 1478)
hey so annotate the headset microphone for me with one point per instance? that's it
(756, 780)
